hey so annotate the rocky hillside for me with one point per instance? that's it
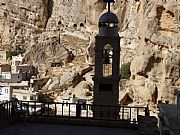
(61, 31)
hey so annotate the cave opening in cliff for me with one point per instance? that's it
(81, 25)
(59, 23)
(75, 25)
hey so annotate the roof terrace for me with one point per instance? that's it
(51, 118)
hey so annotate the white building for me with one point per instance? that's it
(5, 72)
(24, 94)
(16, 60)
(5, 75)
(5, 93)
(21, 91)
(3, 57)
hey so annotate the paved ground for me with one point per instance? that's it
(45, 129)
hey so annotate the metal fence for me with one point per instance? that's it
(5, 112)
(58, 111)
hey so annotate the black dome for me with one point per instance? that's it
(108, 17)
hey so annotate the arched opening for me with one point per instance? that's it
(75, 25)
(107, 60)
(81, 25)
(111, 25)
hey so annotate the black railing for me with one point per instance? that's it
(83, 111)
(72, 111)
(5, 112)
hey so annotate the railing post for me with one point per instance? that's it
(115, 112)
(34, 108)
(137, 114)
(101, 112)
(147, 111)
(55, 109)
(62, 108)
(130, 113)
(48, 109)
(8, 109)
(108, 112)
(20, 104)
(87, 109)
(78, 110)
(69, 110)
(41, 109)
(28, 107)
(4, 111)
(123, 113)
(94, 109)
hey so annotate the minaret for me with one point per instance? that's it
(107, 69)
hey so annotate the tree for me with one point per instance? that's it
(125, 71)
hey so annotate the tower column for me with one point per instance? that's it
(107, 69)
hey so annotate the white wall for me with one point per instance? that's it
(2, 55)
(5, 93)
(15, 62)
(17, 58)
(6, 75)
(23, 94)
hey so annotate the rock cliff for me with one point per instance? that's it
(62, 31)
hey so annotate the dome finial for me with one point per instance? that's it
(109, 2)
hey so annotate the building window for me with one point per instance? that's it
(6, 90)
(24, 97)
(111, 25)
(32, 97)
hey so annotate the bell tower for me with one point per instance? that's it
(107, 60)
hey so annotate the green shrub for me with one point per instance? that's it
(10, 53)
(125, 71)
